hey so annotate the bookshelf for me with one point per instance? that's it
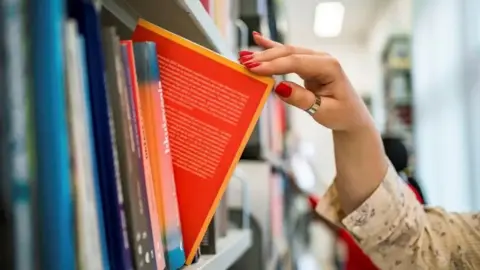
(187, 18)
(229, 249)
(398, 90)
(109, 141)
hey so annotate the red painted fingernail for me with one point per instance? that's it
(244, 53)
(252, 65)
(255, 33)
(246, 58)
(283, 90)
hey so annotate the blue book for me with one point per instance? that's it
(55, 206)
(98, 197)
(119, 253)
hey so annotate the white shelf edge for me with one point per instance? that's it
(229, 250)
(200, 17)
(124, 16)
(206, 24)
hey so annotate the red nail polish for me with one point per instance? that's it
(284, 90)
(252, 65)
(246, 58)
(255, 33)
(244, 53)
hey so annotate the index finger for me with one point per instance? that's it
(264, 42)
(321, 67)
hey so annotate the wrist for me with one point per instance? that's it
(360, 131)
(361, 165)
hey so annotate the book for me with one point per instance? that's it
(151, 100)
(88, 237)
(18, 170)
(208, 246)
(140, 140)
(132, 96)
(118, 247)
(6, 209)
(138, 227)
(212, 105)
(57, 240)
(93, 159)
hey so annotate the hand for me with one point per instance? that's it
(341, 108)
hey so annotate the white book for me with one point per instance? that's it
(89, 253)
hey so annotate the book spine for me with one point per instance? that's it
(142, 65)
(127, 173)
(53, 163)
(172, 226)
(152, 203)
(111, 83)
(208, 243)
(93, 159)
(136, 153)
(18, 171)
(88, 239)
(6, 224)
(119, 256)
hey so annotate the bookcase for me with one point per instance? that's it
(203, 23)
(90, 151)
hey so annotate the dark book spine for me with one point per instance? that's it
(137, 160)
(208, 245)
(109, 39)
(6, 215)
(119, 256)
(127, 168)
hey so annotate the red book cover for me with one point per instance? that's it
(212, 105)
(152, 203)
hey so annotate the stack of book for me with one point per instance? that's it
(114, 154)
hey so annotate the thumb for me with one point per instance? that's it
(295, 95)
(302, 98)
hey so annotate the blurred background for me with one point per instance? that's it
(416, 63)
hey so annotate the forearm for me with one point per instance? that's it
(361, 166)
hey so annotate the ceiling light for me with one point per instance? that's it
(328, 19)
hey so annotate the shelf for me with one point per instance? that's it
(186, 18)
(229, 250)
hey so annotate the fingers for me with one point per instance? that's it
(322, 68)
(272, 50)
(264, 42)
(279, 59)
(278, 52)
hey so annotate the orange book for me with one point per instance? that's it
(152, 202)
(212, 105)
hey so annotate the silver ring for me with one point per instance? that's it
(315, 106)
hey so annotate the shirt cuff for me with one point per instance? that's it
(383, 205)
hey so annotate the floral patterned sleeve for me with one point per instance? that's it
(397, 232)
